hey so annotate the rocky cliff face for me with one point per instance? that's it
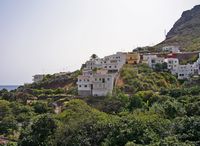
(186, 31)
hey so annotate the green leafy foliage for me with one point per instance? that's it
(152, 108)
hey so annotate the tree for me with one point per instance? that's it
(8, 125)
(172, 141)
(39, 133)
(161, 67)
(188, 129)
(4, 109)
(94, 56)
(82, 125)
(136, 102)
(40, 107)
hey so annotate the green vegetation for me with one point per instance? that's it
(152, 108)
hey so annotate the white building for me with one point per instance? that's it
(111, 62)
(84, 85)
(172, 49)
(98, 83)
(94, 63)
(37, 78)
(114, 62)
(155, 60)
(185, 71)
(102, 84)
(197, 66)
(172, 64)
(147, 57)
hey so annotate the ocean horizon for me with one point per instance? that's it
(9, 87)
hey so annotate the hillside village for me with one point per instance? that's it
(99, 75)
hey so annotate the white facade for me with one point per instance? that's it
(155, 60)
(172, 64)
(94, 63)
(38, 78)
(87, 72)
(147, 57)
(172, 49)
(111, 62)
(115, 61)
(102, 84)
(197, 66)
(185, 71)
(99, 83)
(84, 85)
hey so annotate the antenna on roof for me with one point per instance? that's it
(165, 33)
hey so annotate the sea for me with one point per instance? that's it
(9, 87)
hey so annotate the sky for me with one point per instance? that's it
(49, 36)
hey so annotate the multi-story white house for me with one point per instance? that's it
(84, 85)
(98, 83)
(37, 78)
(197, 66)
(102, 83)
(172, 49)
(185, 71)
(120, 57)
(172, 64)
(114, 62)
(98, 75)
(155, 60)
(147, 57)
(94, 63)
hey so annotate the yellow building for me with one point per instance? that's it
(132, 58)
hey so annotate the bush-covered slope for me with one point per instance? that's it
(149, 108)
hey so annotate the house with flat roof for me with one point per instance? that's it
(84, 85)
(94, 63)
(37, 78)
(155, 60)
(172, 64)
(147, 57)
(185, 71)
(132, 58)
(114, 62)
(197, 66)
(99, 83)
(102, 84)
(171, 49)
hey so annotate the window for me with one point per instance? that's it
(85, 86)
(108, 79)
(115, 66)
(79, 85)
(110, 66)
(88, 80)
(103, 80)
(99, 79)
(80, 80)
(95, 79)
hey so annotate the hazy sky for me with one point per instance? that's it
(48, 36)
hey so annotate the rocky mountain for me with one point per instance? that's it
(186, 31)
